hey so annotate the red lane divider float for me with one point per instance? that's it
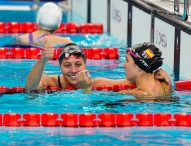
(19, 89)
(95, 120)
(183, 85)
(71, 27)
(35, 53)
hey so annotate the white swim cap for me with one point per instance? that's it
(49, 16)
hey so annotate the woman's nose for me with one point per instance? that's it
(74, 70)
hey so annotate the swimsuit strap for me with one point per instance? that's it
(31, 40)
(59, 83)
(40, 37)
(69, 87)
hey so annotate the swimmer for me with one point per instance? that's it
(49, 18)
(74, 74)
(72, 61)
(142, 69)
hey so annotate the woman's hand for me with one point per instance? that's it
(162, 75)
(84, 81)
(47, 51)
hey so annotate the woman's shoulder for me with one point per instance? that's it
(58, 39)
(52, 80)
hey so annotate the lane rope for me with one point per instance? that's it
(70, 27)
(95, 120)
(35, 53)
(183, 85)
(20, 89)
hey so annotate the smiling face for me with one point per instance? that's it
(131, 68)
(71, 66)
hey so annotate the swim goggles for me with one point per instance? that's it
(71, 49)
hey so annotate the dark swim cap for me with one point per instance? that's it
(71, 49)
(146, 56)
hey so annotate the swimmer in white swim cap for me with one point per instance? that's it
(49, 18)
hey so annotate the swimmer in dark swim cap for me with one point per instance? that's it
(142, 61)
(72, 64)
(71, 49)
(146, 56)
(142, 69)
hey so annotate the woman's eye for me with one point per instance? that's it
(78, 64)
(67, 65)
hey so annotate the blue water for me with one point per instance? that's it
(14, 73)
(29, 16)
(96, 136)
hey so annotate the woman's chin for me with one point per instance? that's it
(72, 82)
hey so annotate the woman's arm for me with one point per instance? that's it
(35, 80)
(35, 75)
(85, 82)
(165, 80)
(163, 76)
(53, 39)
(135, 92)
(101, 82)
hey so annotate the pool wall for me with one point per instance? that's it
(135, 21)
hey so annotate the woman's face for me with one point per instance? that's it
(131, 68)
(71, 66)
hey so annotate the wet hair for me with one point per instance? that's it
(49, 16)
(71, 49)
(146, 56)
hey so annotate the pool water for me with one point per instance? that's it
(14, 73)
(96, 136)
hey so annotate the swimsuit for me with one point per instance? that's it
(59, 83)
(30, 44)
(31, 39)
(69, 87)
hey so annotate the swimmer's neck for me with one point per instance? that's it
(42, 31)
(144, 77)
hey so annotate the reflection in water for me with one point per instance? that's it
(124, 102)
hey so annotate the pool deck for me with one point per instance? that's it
(169, 6)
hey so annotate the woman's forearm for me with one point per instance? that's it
(35, 75)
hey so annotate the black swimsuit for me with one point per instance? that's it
(59, 83)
